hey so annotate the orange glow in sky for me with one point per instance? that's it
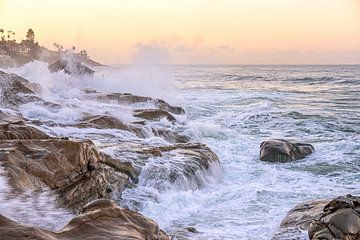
(194, 31)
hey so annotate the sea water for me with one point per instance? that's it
(232, 109)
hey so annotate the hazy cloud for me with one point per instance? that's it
(151, 53)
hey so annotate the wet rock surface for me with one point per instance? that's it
(101, 219)
(71, 67)
(338, 218)
(281, 150)
(77, 170)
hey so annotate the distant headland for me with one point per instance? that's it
(14, 54)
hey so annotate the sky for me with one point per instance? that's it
(194, 31)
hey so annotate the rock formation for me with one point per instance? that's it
(280, 150)
(71, 67)
(100, 219)
(338, 218)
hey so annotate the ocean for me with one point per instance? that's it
(232, 109)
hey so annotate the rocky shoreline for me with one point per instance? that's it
(88, 173)
(83, 177)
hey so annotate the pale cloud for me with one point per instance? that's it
(151, 53)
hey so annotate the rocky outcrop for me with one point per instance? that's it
(126, 99)
(323, 220)
(280, 150)
(340, 220)
(74, 169)
(299, 219)
(71, 67)
(101, 122)
(101, 220)
(182, 165)
(19, 130)
(16, 90)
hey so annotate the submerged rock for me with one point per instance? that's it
(280, 150)
(154, 114)
(71, 67)
(101, 122)
(184, 166)
(101, 220)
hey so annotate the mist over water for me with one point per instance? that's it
(232, 109)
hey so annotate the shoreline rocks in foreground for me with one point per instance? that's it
(281, 150)
(338, 218)
(78, 172)
(100, 219)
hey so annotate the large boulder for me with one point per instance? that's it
(73, 169)
(71, 67)
(101, 220)
(280, 150)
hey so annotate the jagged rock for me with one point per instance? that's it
(16, 90)
(154, 114)
(19, 130)
(6, 118)
(101, 220)
(71, 67)
(299, 219)
(75, 170)
(280, 150)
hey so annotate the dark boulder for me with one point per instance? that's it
(280, 150)
(71, 67)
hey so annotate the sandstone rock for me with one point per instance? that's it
(183, 165)
(133, 99)
(340, 220)
(154, 114)
(19, 130)
(102, 121)
(71, 67)
(280, 150)
(299, 219)
(101, 220)
(75, 170)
